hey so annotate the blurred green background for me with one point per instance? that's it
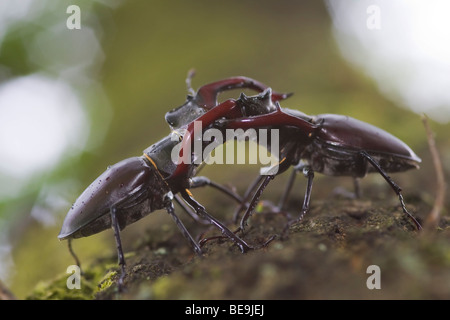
(127, 67)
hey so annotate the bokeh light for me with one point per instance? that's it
(403, 45)
(41, 121)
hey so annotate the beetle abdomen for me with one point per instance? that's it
(130, 184)
(350, 133)
(340, 161)
(339, 141)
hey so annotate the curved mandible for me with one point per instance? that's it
(206, 95)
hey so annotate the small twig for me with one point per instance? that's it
(432, 219)
(5, 293)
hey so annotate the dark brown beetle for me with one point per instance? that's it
(331, 144)
(135, 187)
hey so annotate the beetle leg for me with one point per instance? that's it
(287, 190)
(189, 211)
(72, 253)
(357, 187)
(290, 184)
(246, 198)
(308, 173)
(256, 196)
(393, 185)
(115, 226)
(197, 182)
(243, 246)
(171, 211)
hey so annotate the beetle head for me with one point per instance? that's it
(184, 114)
(257, 104)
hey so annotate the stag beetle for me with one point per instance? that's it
(331, 144)
(134, 187)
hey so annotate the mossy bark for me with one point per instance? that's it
(326, 256)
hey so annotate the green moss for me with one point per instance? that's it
(325, 256)
(107, 280)
(57, 289)
(92, 281)
(168, 287)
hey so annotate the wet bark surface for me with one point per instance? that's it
(330, 254)
(326, 256)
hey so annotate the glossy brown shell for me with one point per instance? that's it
(132, 184)
(347, 132)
